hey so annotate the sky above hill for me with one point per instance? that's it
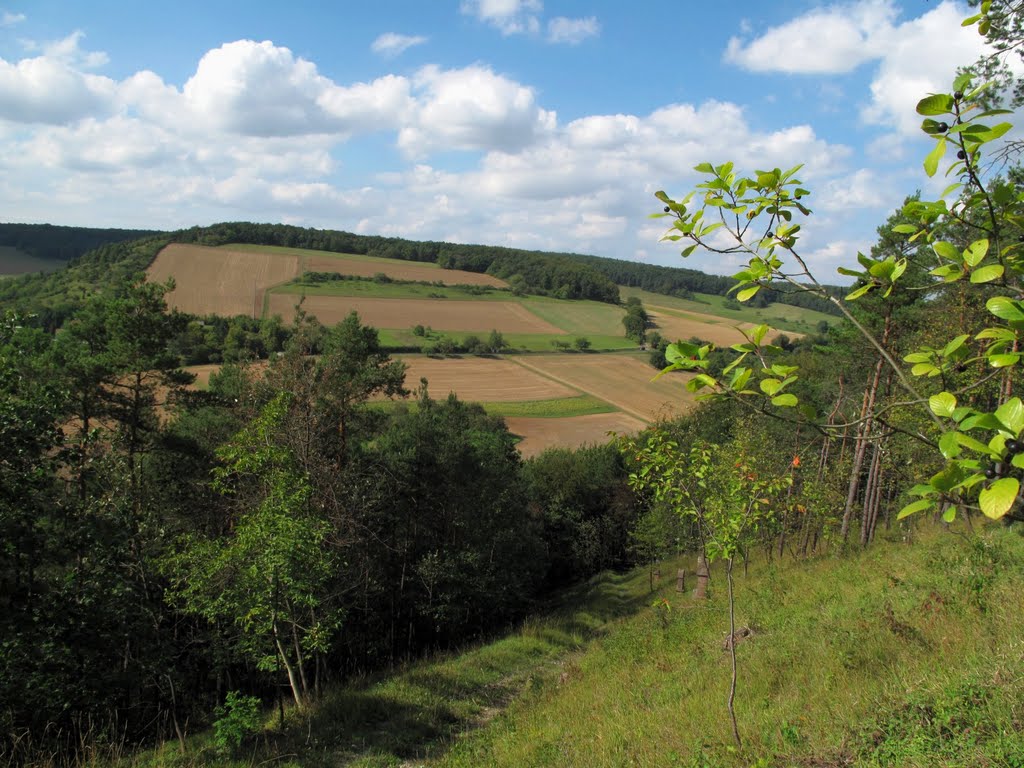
(528, 123)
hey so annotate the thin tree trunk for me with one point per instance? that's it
(732, 653)
(863, 434)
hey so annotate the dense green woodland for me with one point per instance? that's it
(173, 558)
(55, 243)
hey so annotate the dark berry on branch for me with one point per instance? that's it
(961, 155)
(942, 128)
(958, 95)
(1014, 446)
(990, 473)
(667, 209)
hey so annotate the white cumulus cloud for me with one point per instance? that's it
(824, 41)
(510, 17)
(472, 108)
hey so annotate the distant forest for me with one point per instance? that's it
(55, 243)
(100, 259)
(566, 275)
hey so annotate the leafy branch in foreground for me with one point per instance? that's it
(759, 217)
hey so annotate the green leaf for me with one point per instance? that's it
(747, 293)
(758, 333)
(954, 345)
(681, 351)
(1002, 361)
(704, 168)
(975, 445)
(948, 445)
(914, 507)
(905, 229)
(946, 250)
(942, 404)
(1004, 308)
(785, 401)
(854, 295)
(976, 252)
(931, 162)
(998, 498)
(1011, 414)
(770, 386)
(924, 369)
(936, 104)
(987, 274)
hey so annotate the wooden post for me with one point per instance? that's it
(681, 580)
(703, 576)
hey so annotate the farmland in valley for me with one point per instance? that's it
(552, 399)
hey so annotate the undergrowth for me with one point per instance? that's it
(902, 655)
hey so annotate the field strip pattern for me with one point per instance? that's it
(215, 280)
(540, 434)
(622, 380)
(362, 265)
(409, 271)
(440, 314)
(717, 330)
(482, 379)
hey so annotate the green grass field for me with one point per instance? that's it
(904, 655)
(558, 408)
(782, 316)
(579, 318)
(373, 289)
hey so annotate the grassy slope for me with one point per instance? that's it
(782, 316)
(900, 656)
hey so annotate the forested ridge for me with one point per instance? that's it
(123, 253)
(51, 242)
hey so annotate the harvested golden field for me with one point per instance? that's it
(573, 432)
(481, 379)
(219, 281)
(622, 380)
(681, 326)
(439, 314)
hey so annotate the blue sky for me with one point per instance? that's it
(512, 122)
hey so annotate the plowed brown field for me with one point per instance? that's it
(368, 267)
(708, 327)
(439, 314)
(487, 380)
(572, 432)
(216, 280)
(622, 380)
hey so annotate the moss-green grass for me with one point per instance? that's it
(392, 290)
(404, 338)
(782, 316)
(557, 408)
(905, 656)
(579, 318)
